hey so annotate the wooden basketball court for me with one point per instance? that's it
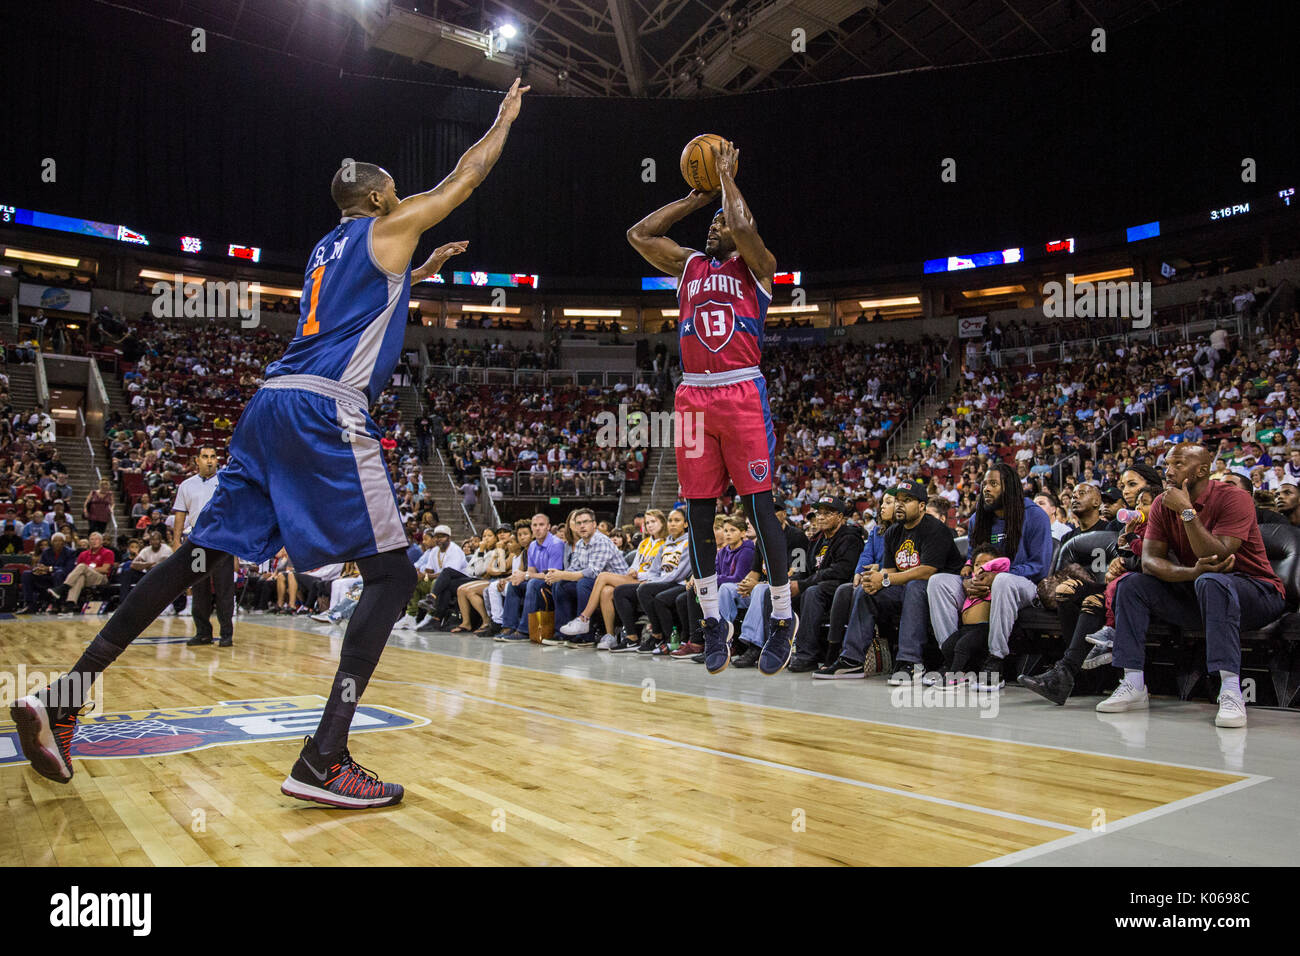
(506, 764)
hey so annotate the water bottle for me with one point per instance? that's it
(675, 640)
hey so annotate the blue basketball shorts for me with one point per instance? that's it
(306, 473)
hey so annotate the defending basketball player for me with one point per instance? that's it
(306, 470)
(723, 295)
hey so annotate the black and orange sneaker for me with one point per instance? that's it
(45, 733)
(337, 780)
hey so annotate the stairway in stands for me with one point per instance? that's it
(437, 474)
(78, 458)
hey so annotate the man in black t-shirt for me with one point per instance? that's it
(1086, 511)
(423, 437)
(917, 545)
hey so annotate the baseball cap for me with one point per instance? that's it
(1111, 494)
(832, 504)
(913, 488)
(442, 529)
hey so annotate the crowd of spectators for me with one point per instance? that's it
(1011, 465)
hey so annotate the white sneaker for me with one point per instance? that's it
(406, 623)
(606, 643)
(901, 676)
(323, 617)
(1232, 711)
(1126, 697)
(575, 627)
(428, 622)
(1104, 636)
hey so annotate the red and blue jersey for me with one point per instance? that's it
(722, 311)
(353, 313)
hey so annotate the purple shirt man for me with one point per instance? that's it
(547, 554)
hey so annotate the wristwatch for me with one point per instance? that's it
(1187, 514)
(884, 580)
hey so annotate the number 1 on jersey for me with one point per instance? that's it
(311, 326)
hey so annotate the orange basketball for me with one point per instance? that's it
(699, 162)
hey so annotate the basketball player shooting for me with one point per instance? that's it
(723, 294)
(306, 470)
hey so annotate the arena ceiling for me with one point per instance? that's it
(650, 48)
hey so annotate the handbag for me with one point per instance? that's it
(541, 623)
(879, 660)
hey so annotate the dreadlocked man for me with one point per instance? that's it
(1019, 528)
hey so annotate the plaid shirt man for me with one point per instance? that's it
(595, 555)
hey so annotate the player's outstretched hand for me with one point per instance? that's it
(728, 158)
(510, 105)
(449, 249)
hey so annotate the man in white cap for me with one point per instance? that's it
(445, 553)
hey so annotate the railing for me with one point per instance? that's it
(1266, 309)
(659, 470)
(1154, 335)
(542, 378)
(945, 369)
(523, 483)
(455, 492)
(487, 486)
(42, 386)
(90, 449)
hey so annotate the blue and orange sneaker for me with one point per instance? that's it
(46, 733)
(337, 780)
(717, 645)
(779, 646)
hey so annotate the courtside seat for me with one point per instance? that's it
(1093, 550)
(1282, 544)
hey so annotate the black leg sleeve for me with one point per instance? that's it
(761, 511)
(704, 548)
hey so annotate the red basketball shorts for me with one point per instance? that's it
(724, 436)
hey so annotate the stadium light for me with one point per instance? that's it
(508, 31)
(44, 257)
(275, 290)
(169, 276)
(1102, 276)
(792, 309)
(494, 309)
(594, 313)
(895, 302)
(994, 290)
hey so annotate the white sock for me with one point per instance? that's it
(781, 602)
(707, 590)
(1231, 683)
(1135, 678)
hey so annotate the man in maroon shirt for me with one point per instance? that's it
(93, 567)
(1202, 560)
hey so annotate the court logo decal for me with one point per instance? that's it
(758, 469)
(174, 730)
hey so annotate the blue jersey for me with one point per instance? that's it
(353, 313)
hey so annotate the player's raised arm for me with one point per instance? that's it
(402, 228)
(740, 222)
(649, 238)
